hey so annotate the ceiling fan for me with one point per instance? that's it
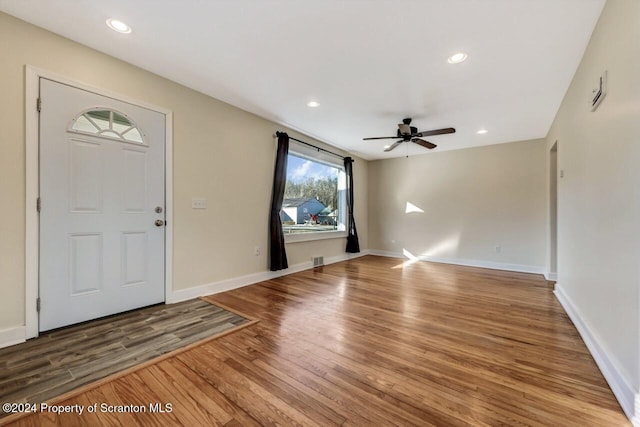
(410, 133)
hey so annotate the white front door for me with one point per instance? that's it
(102, 192)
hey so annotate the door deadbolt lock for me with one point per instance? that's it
(158, 209)
(159, 223)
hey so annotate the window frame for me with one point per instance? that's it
(342, 219)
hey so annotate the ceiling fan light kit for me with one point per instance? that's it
(408, 133)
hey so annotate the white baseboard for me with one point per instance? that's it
(345, 256)
(250, 279)
(608, 366)
(551, 277)
(636, 418)
(11, 336)
(521, 268)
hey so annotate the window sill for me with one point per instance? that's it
(306, 237)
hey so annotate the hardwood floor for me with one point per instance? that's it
(374, 342)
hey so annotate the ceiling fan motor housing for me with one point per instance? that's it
(407, 136)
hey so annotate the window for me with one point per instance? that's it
(314, 197)
(107, 123)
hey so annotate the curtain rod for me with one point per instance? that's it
(312, 146)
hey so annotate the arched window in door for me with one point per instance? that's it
(107, 123)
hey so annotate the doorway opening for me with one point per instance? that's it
(553, 213)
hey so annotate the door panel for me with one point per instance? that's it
(134, 258)
(86, 176)
(100, 250)
(134, 181)
(86, 257)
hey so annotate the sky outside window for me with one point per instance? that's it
(300, 169)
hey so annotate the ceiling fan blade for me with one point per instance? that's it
(394, 145)
(436, 132)
(425, 144)
(404, 129)
(381, 137)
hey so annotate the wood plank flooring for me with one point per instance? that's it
(374, 342)
(62, 360)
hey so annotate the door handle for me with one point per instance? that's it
(159, 223)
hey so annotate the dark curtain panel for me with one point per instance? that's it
(353, 246)
(276, 236)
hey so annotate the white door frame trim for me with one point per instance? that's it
(32, 166)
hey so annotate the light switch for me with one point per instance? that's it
(198, 203)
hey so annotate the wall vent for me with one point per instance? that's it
(318, 261)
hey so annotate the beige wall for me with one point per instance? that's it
(599, 195)
(473, 200)
(221, 153)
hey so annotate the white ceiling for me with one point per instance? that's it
(368, 63)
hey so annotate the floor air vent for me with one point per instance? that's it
(318, 261)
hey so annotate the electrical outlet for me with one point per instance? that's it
(198, 203)
(498, 249)
(256, 251)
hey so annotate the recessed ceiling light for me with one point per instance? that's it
(482, 131)
(386, 146)
(118, 26)
(457, 58)
(313, 104)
